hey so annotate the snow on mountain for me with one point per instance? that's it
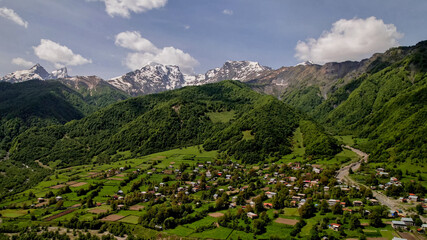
(155, 77)
(151, 78)
(60, 73)
(36, 72)
(306, 63)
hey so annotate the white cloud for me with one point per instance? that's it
(123, 8)
(13, 16)
(352, 39)
(146, 52)
(58, 54)
(22, 62)
(187, 27)
(228, 12)
(134, 41)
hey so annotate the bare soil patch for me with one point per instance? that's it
(79, 184)
(41, 204)
(71, 183)
(216, 215)
(136, 207)
(292, 222)
(120, 175)
(58, 186)
(98, 211)
(112, 218)
(406, 235)
(59, 214)
(158, 158)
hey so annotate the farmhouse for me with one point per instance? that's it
(335, 226)
(252, 215)
(408, 221)
(398, 225)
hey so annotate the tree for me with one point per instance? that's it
(324, 206)
(375, 219)
(337, 208)
(419, 209)
(307, 210)
(354, 222)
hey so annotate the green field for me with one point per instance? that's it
(223, 117)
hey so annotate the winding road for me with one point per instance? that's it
(343, 175)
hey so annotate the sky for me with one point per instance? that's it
(109, 38)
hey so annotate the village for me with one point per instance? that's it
(187, 195)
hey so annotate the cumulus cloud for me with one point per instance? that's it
(146, 52)
(22, 62)
(123, 8)
(134, 41)
(58, 54)
(13, 16)
(228, 12)
(352, 39)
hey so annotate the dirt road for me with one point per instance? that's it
(343, 175)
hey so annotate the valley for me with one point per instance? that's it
(333, 151)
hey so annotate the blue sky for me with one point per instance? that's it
(200, 34)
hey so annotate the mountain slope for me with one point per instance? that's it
(386, 103)
(36, 103)
(260, 126)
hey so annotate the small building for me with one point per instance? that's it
(268, 205)
(335, 226)
(58, 198)
(413, 198)
(398, 225)
(408, 221)
(252, 215)
(332, 202)
(357, 203)
(374, 201)
(270, 194)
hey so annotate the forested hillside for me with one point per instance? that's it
(386, 104)
(38, 103)
(227, 116)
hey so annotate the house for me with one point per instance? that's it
(357, 203)
(334, 226)
(413, 198)
(408, 221)
(398, 225)
(332, 202)
(252, 215)
(58, 198)
(374, 201)
(326, 188)
(270, 194)
(268, 205)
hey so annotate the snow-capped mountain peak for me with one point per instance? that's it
(59, 73)
(306, 63)
(36, 72)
